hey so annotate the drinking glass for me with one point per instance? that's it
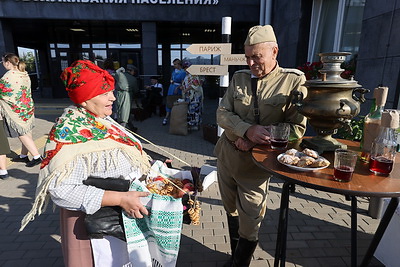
(280, 135)
(344, 164)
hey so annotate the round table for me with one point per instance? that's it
(364, 184)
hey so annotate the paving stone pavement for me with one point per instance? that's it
(319, 222)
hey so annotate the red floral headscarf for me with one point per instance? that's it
(84, 80)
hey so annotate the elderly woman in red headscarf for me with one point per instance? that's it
(86, 142)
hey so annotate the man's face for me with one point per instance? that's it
(261, 58)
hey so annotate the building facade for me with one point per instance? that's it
(366, 28)
(146, 33)
(151, 33)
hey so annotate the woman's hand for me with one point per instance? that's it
(128, 201)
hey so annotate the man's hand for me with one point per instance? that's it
(258, 134)
(243, 144)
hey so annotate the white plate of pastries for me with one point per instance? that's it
(305, 161)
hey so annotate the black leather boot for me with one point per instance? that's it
(243, 253)
(233, 227)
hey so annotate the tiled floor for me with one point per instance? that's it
(319, 222)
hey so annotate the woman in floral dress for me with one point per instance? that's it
(86, 142)
(16, 107)
(193, 91)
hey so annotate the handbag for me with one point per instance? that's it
(171, 99)
(107, 220)
(178, 121)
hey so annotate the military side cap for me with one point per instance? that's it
(260, 34)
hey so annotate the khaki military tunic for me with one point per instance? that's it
(243, 185)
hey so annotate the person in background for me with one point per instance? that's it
(96, 146)
(17, 108)
(193, 92)
(131, 74)
(126, 87)
(244, 116)
(4, 150)
(154, 95)
(175, 88)
(109, 67)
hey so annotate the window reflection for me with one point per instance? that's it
(335, 26)
(62, 45)
(85, 55)
(197, 59)
(99, 45)
(352, 26)
(175, 54)
(116, 45)
(100, 54)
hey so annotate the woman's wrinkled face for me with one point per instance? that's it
(261, 58)
(100, 105)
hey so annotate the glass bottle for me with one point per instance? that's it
(383, 150)
(372, 121)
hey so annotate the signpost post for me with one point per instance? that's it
(224, 80)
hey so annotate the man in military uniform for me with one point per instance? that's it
(254, 99)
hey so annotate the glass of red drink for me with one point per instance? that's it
(344, 164)
(380, 165)
(280, 135)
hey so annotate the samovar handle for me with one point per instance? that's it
(362, 92)
(297, 98)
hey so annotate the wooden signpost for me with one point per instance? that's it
(226, 59)
(209, 49)
(233, 59)
(216, 70)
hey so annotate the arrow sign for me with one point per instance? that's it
(233, 59)
(209, 49)
(216, 70)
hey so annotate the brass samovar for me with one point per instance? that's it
(330, 104)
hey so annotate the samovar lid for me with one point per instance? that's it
(330, 72)
(344, 83)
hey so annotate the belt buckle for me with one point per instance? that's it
(256, 111)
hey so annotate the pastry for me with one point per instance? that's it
(305, 161)
(320, 162)
(289, 159)
(311, 153)
(291, 151)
